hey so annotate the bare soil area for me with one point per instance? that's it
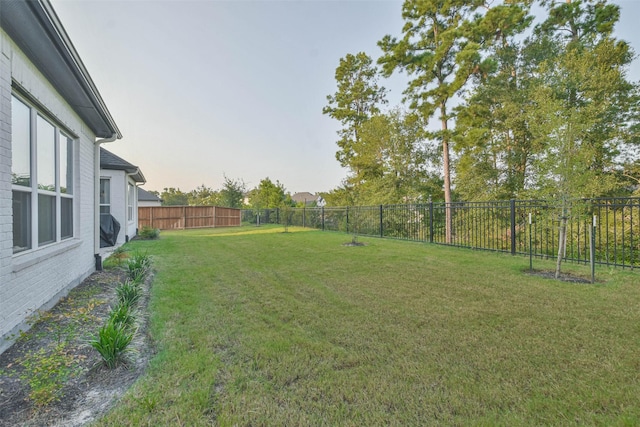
(565, 277)
(90, 389)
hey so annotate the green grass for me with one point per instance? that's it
(259, 327)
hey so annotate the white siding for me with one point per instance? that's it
(145, 204)
(36, 279)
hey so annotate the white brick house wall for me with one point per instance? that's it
(36, 279)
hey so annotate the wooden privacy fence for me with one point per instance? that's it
(181, 217)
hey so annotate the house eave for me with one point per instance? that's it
(38, 32)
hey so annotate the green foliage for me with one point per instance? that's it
(441, 48)
(113, 341)
(149, 233)
(129, 293)
(204, 196)
(138, 266)
(114, 337)
(46, 371)
(123, 313)
(268, 195)
(584, 105)
(286, 214)
(556, 118)
(232, 193)
(357, 99)
(174, 197)
(116, 259)
(394, 163)
(493, 139)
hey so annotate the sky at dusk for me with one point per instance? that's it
(206, 89)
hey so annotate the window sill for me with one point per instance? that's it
(31, 258)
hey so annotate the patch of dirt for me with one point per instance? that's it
(354, 244)
(565, 277)
(93, 389)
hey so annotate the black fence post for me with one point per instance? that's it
(323, 218)
(430, 222)
(347, 209)
(381, 230)
(513, 226)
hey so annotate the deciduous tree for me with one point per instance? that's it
(357, 99)
(174, 197)
(584, 103)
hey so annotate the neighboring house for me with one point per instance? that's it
(146, 199)
(304, 197)
(52, 122)
(119, 196)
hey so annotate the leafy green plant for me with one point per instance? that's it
(149, 233)
(117, 257)
(113, 342)
(138, 265)
(46, 371)
(123, 313)
(129, 292)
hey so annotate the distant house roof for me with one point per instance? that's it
(37, 30)
(304, 197)
(110, 161)
(145, 196)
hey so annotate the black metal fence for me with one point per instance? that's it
(525, 227)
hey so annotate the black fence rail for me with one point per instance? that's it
(519, 227)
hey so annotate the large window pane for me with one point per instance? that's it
(20, 143)
(21, 221)
(38, 142)
(66, 164)
(46, 219)
(46, 149)
(66, 217)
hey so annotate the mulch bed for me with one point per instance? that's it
(93, 389)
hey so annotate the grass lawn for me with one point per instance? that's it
(258, 327)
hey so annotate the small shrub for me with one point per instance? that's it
(129, 293)
(149, 233)
(113, 342)
(123, 313)
(138, 265)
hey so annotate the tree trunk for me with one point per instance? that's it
(562, 241)
(447, 174)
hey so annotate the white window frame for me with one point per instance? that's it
(60, 135)
(131, 192)
(108, 201)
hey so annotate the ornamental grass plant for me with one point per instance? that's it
(129, 292)
(112, 341)
(115, 336)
